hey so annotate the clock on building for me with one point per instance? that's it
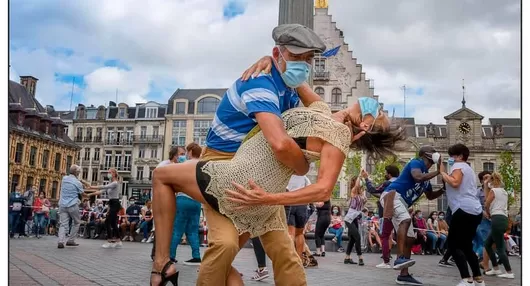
(464, 128)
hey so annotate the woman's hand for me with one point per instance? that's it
(364, 174)
(263, 65)
(247, 198)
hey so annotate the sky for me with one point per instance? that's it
(135, 51)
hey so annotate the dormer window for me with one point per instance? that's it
(151, 112)
(121, 112)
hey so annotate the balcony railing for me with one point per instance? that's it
(78, 139)
(119, 168)
(337, 105)
(321, 75)
(119, 142)
(141, 182)
(148, 138)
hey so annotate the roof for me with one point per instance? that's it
(506, 121)
(464, 112)
(191, 95)
(18, 94)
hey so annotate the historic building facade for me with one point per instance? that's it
(40, 153)
(189, 116)
(118, 136)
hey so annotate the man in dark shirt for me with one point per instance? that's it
(133, 218)
(16, 203)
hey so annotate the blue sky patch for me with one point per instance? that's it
(78, 79)
(233, 8)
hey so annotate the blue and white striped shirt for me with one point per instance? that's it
(235, 116)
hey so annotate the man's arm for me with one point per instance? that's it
(431, 195)
(284, 147)
(331, 161)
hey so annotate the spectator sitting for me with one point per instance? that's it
(443, 227)
(52, 227)
(99, 219)
(373, 232)
(122, 218)
(433, 233)
(132, 220)
(147, 223)
(421, 233)
(336, 227)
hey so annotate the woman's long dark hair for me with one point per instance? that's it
(380, 143)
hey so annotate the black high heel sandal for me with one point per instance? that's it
(173, 278)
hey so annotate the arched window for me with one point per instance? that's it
(336, 95)
(488, 166)
(320, 91)
(207, 105)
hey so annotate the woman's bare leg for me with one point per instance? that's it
(166, 181)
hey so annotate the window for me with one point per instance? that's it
(151, 112)
(207, 105)
(29, 182)
(57, 162)
(66, 131)
(151, 170)
(200, 130)
(95, 176)
(121, 112)
(127, 159)
(85, 173)
(68, 163)
(178, 136)
(15, 180)
(118, 157)
(155, 131)
(45, 159)
(110, 134)
(143, 132)
(32, 155)
(99, 133)
(320, 91)
(140, 174)
(420, 131)
(320, 64)
(96, 154)
(108, 159)
(154, 153)
(78, 157)
(141, 152)
(42, 185)
(124, 186)
(79, 133)
(19, 153)
(55, 186)
(87, 154)
(487, 132)
(336, 95)
(130, 132)
(180, 108)
(488, 166)
(89, 134)
(443, 132)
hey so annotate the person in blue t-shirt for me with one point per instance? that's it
(411, 184)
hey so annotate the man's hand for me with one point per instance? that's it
(263, 65)
(364, 174)
(247, 198)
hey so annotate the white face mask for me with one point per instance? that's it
(490, 185)
(109, 176)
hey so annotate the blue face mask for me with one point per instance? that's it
(451, 161)
(181, 159)
(295, 73)
(369, 106)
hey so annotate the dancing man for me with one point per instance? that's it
(411, 184)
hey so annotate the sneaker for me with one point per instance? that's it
(72, 243)
(138, 230)
(341, 249)
(407, 280)
(334, 240)
(131, 239)
(444, 263)
(361, 262)
(465, 283)
(349, 261)
(118, 244)
(493, 272)
(260, 274)
(506, 275)
(108, 245)
(150, 239)
(126, 238)
(193, 261)
(481, 283)
(60, 245)
(323, 254)
(384, 266)
(144, 240)
(403, 262)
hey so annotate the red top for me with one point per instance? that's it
(37, 205)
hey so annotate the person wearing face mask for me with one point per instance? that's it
(112, 191)
(485, 225)
(467, 213)
(71, 188)
(336, 227)
(401, 194)
(133, 219)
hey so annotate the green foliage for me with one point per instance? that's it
(511, 176)
(352, 166)
(336, 192)
(378, 174)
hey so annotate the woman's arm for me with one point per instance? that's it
(455, 179)
(489, 200)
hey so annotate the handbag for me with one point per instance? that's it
(45, 209)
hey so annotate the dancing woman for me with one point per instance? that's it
(319, 133)
(357, 201)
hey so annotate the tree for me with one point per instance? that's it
(511, 176)
(378, 175)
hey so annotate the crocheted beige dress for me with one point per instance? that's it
(255, 160)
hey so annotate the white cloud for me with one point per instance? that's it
(107, 83)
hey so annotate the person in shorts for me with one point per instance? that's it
(297, 215)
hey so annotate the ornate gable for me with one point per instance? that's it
(464, 113)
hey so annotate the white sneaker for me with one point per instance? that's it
(150, 239)
(126, 238)
(480, 283)
(118, 244)
(144, 240)
(506, 275)
(138, 230)
(384, 266)
(131, 239)
(465, 283)
(493, 272)
(108, 245)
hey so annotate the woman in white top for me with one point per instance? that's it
(497, 209)
(461, 191)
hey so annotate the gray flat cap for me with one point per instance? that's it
(297, 39)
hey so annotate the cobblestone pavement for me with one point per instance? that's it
(39, 262)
